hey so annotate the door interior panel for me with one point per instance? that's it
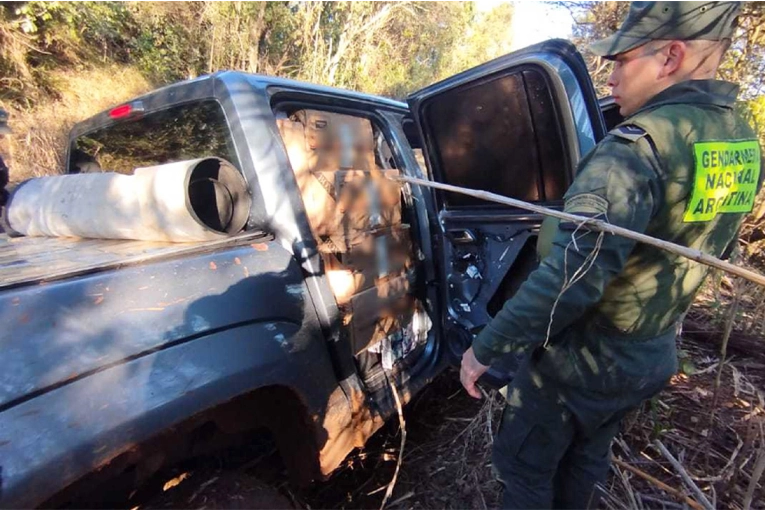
(483, 274)
(515, 126)
(478, 268)
(506, 138)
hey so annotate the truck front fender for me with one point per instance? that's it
(51, 441)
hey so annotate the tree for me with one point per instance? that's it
(379, 47)
(744, 63)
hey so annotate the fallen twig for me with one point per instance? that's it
(489, 412)
(599, 225)
(478, 489)
(402, 424)
(402, 498)
(759, 467)
(628, 488)
(474, 422)
(664, 504)
(658, 483)
(707, 369)
(458, 419)
(379, 489)
(684, 475)
(724, 471)
(201, 488)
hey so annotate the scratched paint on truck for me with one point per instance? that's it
(64, 330)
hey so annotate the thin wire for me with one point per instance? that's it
(580, 273)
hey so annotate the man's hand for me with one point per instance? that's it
(470, 371)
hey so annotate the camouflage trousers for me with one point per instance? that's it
(553, 444)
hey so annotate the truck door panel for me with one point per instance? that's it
(516, 126)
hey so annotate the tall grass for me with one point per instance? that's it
(40, 134)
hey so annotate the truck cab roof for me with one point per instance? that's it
(213, 85)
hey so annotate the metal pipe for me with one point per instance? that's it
(196, 200)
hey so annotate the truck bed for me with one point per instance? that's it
(32, 260)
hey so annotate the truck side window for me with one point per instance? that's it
(500, 135)
(182, 132)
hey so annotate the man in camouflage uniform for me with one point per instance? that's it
(4, 131)
(682, 167)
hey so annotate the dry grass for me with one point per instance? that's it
(449, 436)
(450, 465)
(718, 450)
(714, 430)
(720, 446)
(38, 145)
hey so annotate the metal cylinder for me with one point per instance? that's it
(197, 200)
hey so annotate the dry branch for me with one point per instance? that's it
(732, 311)
(662, 503)
(403, 498)
(658, 483)
(745, 344)
(684, 475)
(759, 467)
(599, 225)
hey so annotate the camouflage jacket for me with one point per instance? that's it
(684, 168)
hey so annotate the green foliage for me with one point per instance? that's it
(685, 363)
(76, 31)
(660, 425)
(156, 49)
(37, 37)
(744, 63)
(754, 112)
(380, 47)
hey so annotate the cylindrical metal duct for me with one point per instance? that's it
(197, 200)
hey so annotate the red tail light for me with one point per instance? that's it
(121, 111)
(127, 110)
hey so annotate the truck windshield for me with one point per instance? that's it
(183, 132)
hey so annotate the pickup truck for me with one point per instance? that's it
(120, 357)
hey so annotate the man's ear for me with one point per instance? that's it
(674, 54)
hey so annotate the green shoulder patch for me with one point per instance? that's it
(586, 204)
(725, 180)
(629, 132)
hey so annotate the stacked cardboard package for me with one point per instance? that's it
(355, 215)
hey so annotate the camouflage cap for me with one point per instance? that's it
(684, 21)
(4, 128)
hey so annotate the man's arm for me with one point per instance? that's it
(616, 184)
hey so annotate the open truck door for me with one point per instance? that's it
(516, 126)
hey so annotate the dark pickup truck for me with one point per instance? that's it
(121, 357)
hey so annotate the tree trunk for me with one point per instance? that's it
(256, 34)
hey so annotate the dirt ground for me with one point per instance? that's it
(446, 462)
(445, 465)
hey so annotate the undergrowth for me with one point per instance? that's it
(38, 144)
